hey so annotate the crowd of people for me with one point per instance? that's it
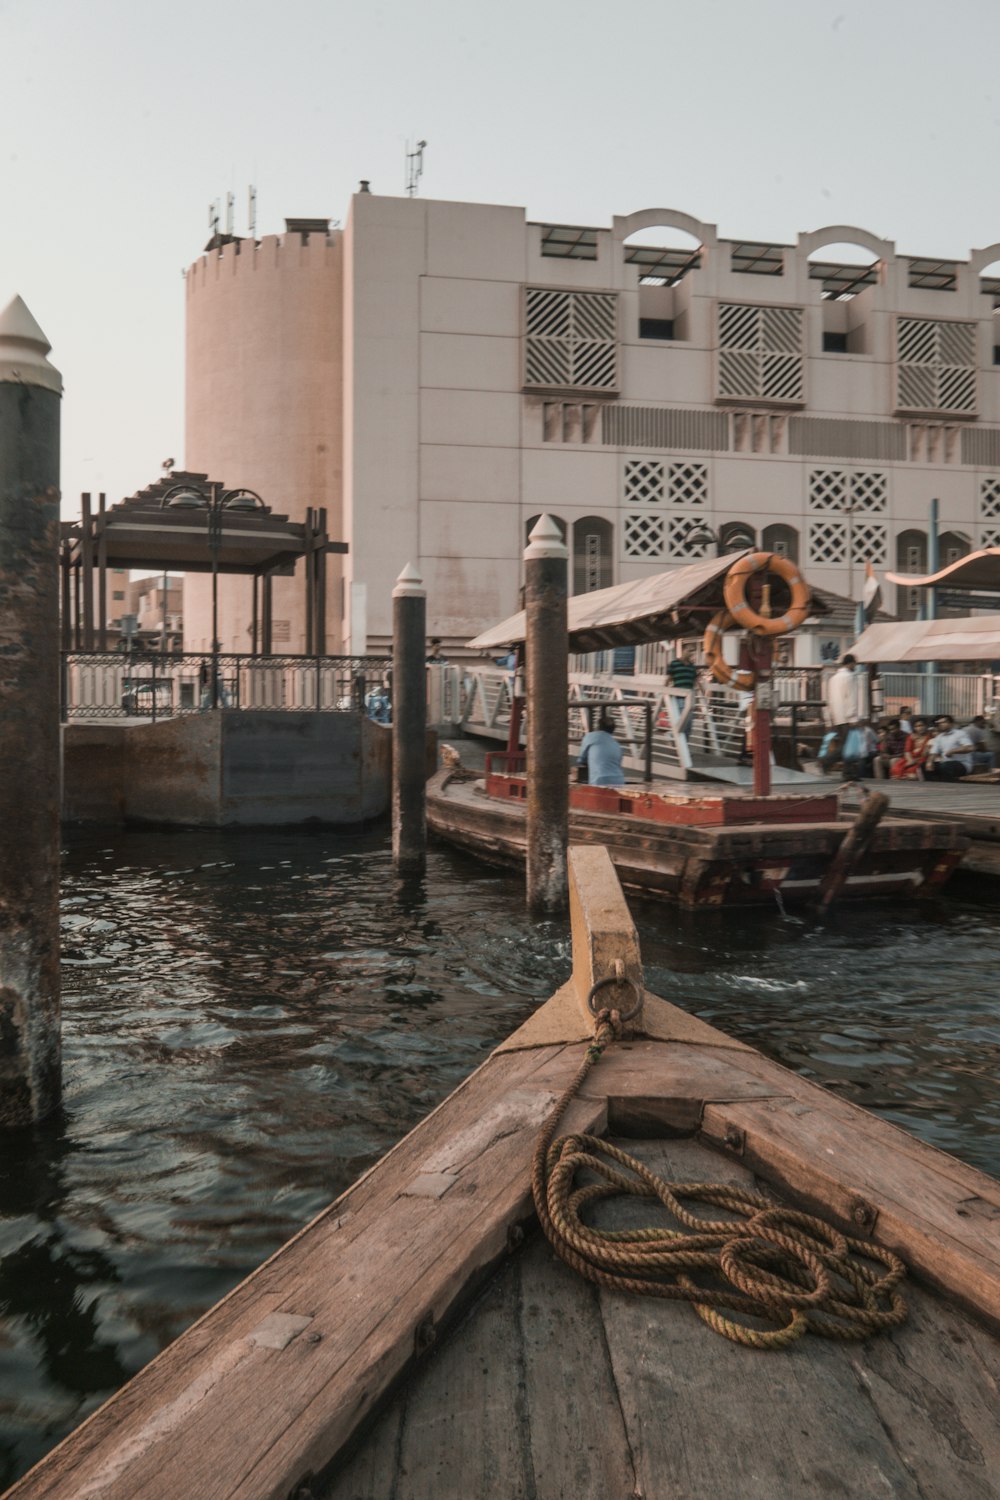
(908, 748)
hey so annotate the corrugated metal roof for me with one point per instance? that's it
(972, 638)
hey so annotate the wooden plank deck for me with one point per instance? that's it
(558, 1390)
(273, 1384)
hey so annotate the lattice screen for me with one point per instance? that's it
(649, 482)
(935, 365)
(570, 339)
(990, 536)
(643, 535)
(644, 481)
(760, 353)
(989, 500)
(863, 491)
(829, 542)
(688, 484)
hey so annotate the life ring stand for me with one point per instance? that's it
(714, 661)
(735, 590)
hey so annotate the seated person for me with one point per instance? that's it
(602, 755)
(978, 736)
(891, 744)
(951, 752)
(860, 745)
(910, 765)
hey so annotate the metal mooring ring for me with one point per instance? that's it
(600, 984)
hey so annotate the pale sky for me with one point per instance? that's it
(122, 121)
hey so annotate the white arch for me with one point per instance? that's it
(980, 260)
(624, 225)
(846, 234)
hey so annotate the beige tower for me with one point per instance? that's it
(264, 402)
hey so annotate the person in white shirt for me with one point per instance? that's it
(843, 696)
(951, 752)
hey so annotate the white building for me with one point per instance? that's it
(437, 374)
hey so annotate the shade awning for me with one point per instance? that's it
(978, 570)
(972, 638)
(659, 607)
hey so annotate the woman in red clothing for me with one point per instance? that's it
(910, 765)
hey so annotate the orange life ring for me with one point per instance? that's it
(736, 586)
(712, 644)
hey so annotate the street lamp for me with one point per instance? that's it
(214, 501)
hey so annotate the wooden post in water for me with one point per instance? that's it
(409, 723)
(30, 390)
(547, 692)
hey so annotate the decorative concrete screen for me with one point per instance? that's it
(852, 496)
(989, 502)
(659, 486)
(570, 340)
(935, 365)
(760, 354)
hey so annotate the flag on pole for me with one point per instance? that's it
(871, 593)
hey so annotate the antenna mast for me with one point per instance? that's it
(213, 217)
(230, 206)
(252, 211)
(414, 168)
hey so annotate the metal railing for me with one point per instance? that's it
(960, 694)
(102, 685)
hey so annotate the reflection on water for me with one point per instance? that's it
(252, 1018)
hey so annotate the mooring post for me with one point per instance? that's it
(547, 692)
(409, 723)
(30, 389)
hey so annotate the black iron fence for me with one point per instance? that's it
(115, 685)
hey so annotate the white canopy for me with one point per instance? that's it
(971, 638)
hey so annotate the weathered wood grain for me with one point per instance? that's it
(624, 1397)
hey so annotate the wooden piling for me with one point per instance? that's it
(409, 724)
(30, 390)
(546, 648)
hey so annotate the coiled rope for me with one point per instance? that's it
(774, 1264)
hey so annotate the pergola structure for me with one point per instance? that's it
(142, 532)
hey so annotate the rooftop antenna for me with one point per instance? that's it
(213, 217)
(252, 211)
(414, 168)
(230, 207)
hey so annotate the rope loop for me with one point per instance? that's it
(748, 1261)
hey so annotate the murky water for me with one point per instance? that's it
(252, 1018)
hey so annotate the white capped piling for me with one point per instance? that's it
(30, 390)
(409, 723)
(547, 690)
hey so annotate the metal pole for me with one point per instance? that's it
(30, 390)
(930, 703)
(547, 683)
(409, 724)
(214, 522)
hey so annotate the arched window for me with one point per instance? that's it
(663, 255)
(592, 554)
(911, 557)
(782, 540)
(951, 546)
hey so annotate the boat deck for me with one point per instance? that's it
(559, 1390)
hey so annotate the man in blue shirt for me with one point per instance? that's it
(601, 753)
